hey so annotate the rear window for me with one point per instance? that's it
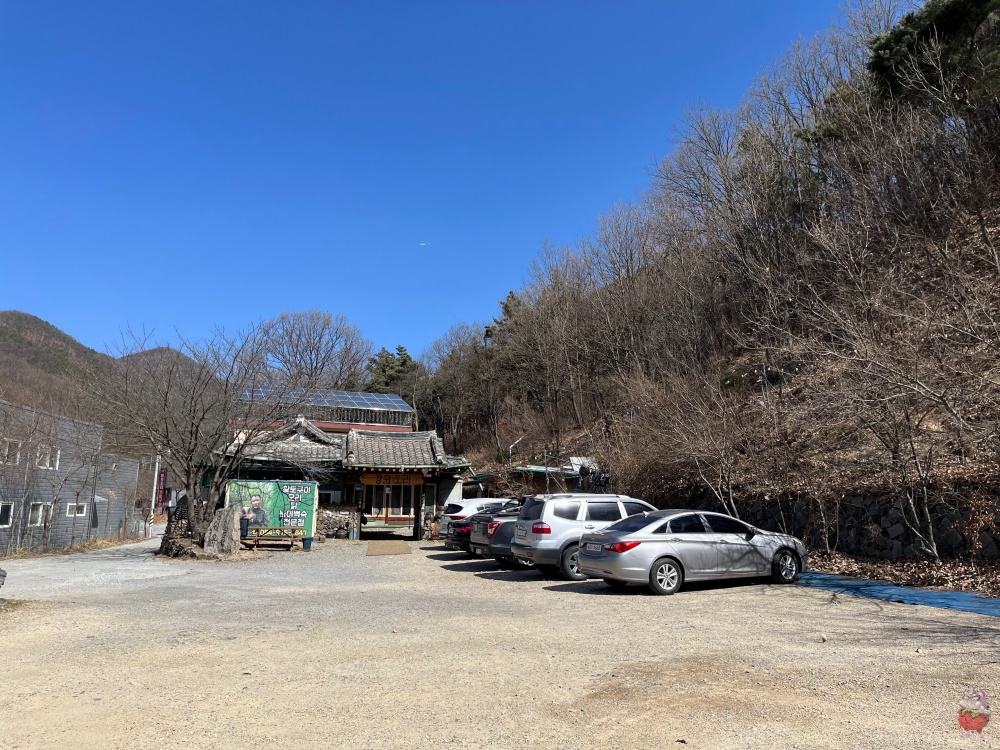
(451, 509)
(532, 510)
(603, 512)
(630, 524)
(568, 509)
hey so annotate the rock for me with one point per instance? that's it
(990, 551)
(896, 530)
(951, 539)
(223, 536)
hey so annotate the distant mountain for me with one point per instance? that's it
(43, 367)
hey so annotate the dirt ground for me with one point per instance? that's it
(118, 649)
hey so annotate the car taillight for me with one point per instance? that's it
(456, 518)
(539, 527)
(621, 546)
(491, 528)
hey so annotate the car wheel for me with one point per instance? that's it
(504, 562)
(784, 566)
(616, 584)
(666, 576)
(547, 570)
(569, 564)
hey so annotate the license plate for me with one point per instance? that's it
(521, 533)
(591, 547)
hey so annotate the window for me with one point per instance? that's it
(632, 524)
(46, 457)
(6, 511)
(39, 514)
(687, 525)
(632, 508)
(76, 509)
(532, 510)
(603, 512)
(726, 525)
(10, 451)
(568, 509)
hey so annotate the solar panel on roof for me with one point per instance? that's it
(347, 399)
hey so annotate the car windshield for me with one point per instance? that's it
(630, 524)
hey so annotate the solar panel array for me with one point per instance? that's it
(318, 397)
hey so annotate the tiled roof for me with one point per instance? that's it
(413, 450)
(395, 449)
(296, 451)
(300, 442)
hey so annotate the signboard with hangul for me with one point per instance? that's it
(271, 504)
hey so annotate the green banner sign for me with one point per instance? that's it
(274, 504)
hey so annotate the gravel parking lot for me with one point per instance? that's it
(331, 648)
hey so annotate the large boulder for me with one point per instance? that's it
(223, 536)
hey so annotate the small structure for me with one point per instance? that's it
(581, 474)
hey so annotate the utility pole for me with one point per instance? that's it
(152, 498)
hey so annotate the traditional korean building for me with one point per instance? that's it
(363, 451)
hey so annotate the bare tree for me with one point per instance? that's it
(199, 406)
(316, 349)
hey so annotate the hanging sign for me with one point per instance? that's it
(392, 480)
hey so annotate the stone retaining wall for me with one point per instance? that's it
(871, 526)
(329, 518)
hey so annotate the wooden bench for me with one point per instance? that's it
(268, 535)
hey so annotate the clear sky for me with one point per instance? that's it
(182, 164)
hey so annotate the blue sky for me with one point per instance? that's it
(181, 165)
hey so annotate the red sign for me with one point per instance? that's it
(161, 492)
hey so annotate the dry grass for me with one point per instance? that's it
(89, 546)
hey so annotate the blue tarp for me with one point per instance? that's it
(966, 601)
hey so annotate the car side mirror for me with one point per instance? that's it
(751, 533)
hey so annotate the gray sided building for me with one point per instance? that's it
(56, 487)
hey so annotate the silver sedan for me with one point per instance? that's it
(667, 547)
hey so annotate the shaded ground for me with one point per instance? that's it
(964, 575)
(965, 601)
(330, 648)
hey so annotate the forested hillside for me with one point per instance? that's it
(805, 303)
(43, 367)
